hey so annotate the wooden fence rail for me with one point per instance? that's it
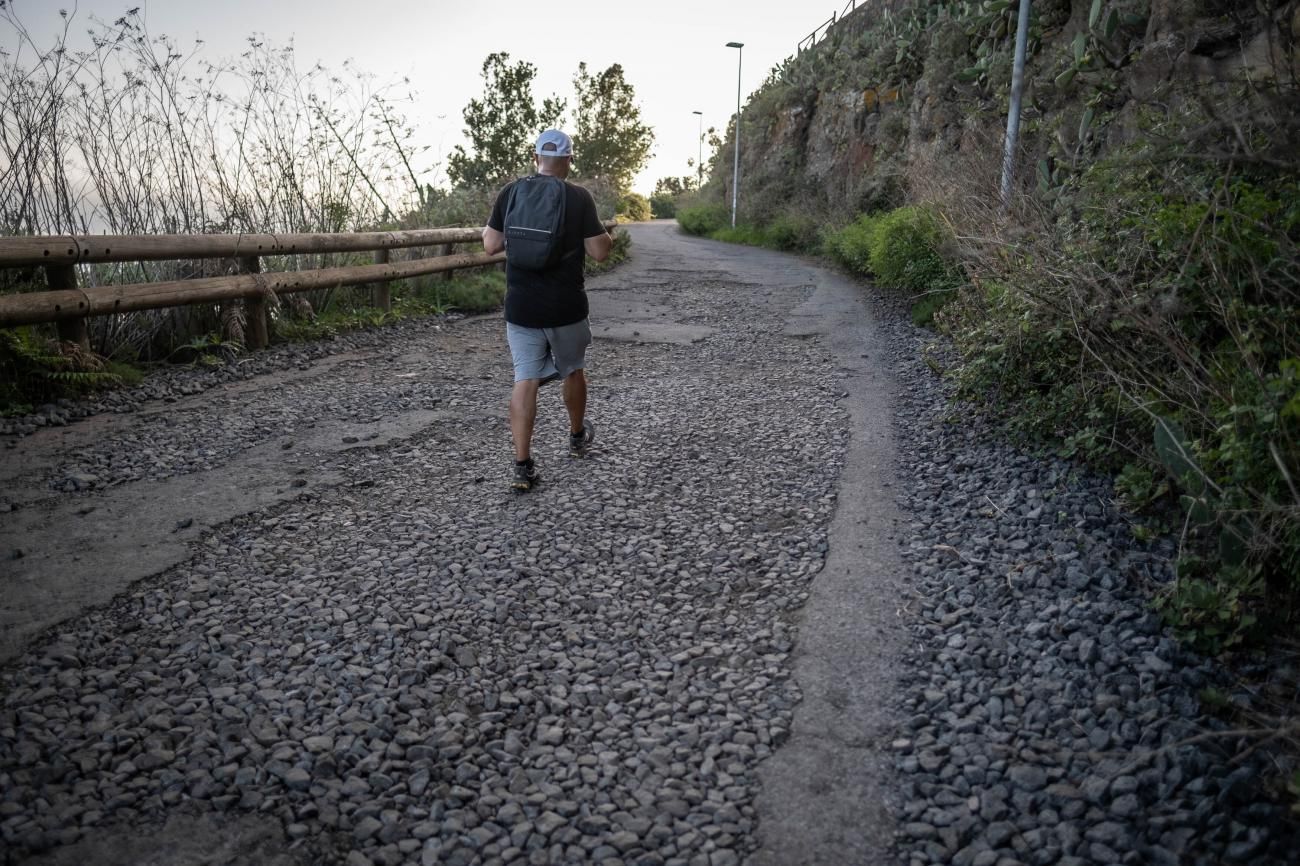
(90, 249)
(69, 305)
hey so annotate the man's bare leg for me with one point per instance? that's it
(575, 399)
(523, 414)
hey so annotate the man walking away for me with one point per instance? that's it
(545, 224)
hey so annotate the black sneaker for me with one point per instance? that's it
(580, 442)
(525, 477)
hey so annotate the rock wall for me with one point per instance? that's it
(840, 129)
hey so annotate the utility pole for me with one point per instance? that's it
(735, 173)
(1013, 114)
(699, 159)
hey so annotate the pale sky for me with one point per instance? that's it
(673, 52)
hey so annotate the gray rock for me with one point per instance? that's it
(1028, 777)
(366, 828)
(297, 779)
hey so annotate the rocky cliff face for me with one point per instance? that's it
(885, 94)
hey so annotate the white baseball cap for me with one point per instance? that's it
(552, 142)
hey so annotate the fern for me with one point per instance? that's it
(83, 379)
(35, 370)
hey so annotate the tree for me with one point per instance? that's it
(674, 186)
(610, 141)
(713, 143)
(502, 126)
(669, 192)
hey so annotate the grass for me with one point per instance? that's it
(469, 292)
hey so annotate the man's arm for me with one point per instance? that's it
(598, 247)
(493, 241)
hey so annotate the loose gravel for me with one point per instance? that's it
(169, 442)
(417, 665)
(1053, 720)
(167, 383)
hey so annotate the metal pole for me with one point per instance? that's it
(735, 173)
(699, 158)
(1013, 114)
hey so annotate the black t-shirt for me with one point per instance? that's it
(555, 297)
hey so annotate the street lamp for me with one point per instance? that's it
(699, 159)
(735, 174)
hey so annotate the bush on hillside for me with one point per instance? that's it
(901, 249)
(905, 252)
(851, 245)
(704, 219)
(792, 233)
(1155, 332)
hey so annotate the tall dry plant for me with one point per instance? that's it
(1143, 310)
(128, 133)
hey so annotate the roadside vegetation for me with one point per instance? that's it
(1137, 307)
(257, 145)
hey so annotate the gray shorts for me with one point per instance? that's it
(548, 353)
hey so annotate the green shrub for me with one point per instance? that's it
(742, 234)
(1208, 339)
(663, 206)
(470, 293)
(851, 245)
(634, 207)
(704, 219)
(924, 308)
(792, 232)
(905, 252)
(788, 232)
(900, 249)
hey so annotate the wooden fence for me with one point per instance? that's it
(69, 305)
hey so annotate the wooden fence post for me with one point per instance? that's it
(59, 277)
(381, 295)
(257, 327)
(446, 250)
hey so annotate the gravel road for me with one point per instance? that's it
(365, 648)
(288, 611)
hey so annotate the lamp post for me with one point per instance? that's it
(735, 173)
(699, 159)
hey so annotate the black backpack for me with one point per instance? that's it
(534, 222)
